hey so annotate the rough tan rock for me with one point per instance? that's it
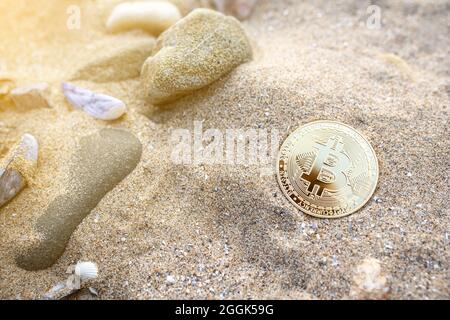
(31, 96)
(192, 54)
(117, 62)
(369, 281)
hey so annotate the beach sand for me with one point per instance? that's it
(227, 232)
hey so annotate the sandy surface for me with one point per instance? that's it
(221, 231)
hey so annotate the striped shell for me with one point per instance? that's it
(86, 270)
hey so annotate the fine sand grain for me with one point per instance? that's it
(217, 231)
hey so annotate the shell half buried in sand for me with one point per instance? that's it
(18, 168)
(97, 105)
(86, 270)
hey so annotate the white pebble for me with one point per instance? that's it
(170, 279)
(151, 16)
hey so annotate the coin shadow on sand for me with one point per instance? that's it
(103, 160)
(250, 225)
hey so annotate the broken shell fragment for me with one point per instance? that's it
(18, 168)
(11, 183)
(151, 16)
(57, 292)
(97, 105)
(32, 96)
(80, 272)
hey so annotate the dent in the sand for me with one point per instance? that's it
(102, 161)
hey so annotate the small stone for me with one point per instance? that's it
(171, 279)
(151, 16)
(334, 261)
(369, 281)
(31, 96)
(195, 52)
(378, 200)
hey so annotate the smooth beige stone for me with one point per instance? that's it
(151, 16)
(195, 52)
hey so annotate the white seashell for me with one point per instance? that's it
(86, 270)
(97, 105)
(19, 166)
(32, 96)
(30, 147)
(93, 291)
(151, 16)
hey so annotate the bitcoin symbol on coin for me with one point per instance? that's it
(327, 169)
(329, 166)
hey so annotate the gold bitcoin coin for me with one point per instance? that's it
(327, 169)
